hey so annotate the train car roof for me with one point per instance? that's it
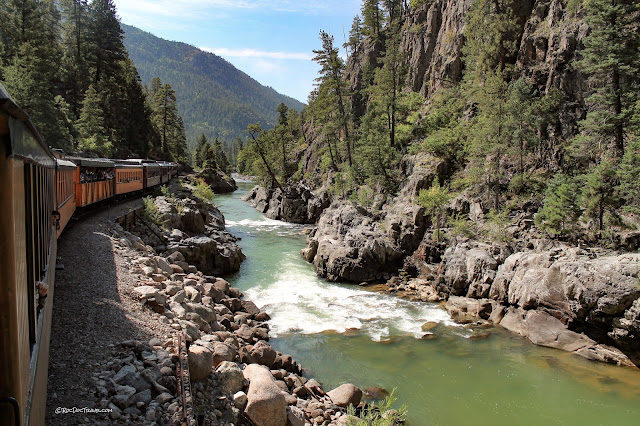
(127, 166)
(65, 164)
(26, 142)
(151, 165)
(93, 162)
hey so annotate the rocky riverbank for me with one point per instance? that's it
(237, 377)
(183, 223)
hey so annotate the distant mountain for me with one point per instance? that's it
(214, 97)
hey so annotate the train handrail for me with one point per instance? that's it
(16, 408)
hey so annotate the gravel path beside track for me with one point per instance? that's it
(93, 310)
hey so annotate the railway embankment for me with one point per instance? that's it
(130, 366)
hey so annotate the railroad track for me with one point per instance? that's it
(188, 417)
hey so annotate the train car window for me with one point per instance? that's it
(39, 193)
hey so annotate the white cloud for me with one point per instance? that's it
(254, 53)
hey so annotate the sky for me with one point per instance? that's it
(270, 40)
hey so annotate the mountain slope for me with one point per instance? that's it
(214, 97)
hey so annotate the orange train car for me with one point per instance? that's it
(27, 265)
(129, 177)
(95, 180)
(65, 191)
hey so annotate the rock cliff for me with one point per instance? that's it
(296, 204)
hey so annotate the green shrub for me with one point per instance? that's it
(203, 191)
(378, 415)
(151, 212)
(495, 228)
(460, 226)
(165, 191)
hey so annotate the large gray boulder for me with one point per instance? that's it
(345, 395)
(215, 254)
(230, 377)
(546, 330)
(352, 246)
(266, 404)
(200, 362)
(594, 295)
(470, 268)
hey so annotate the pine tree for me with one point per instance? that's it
(371, 18)
(561, 210)
(199, 152)
(434, 200)
(491, 37)
(30, 73)
(258, 144)
(169, 124)
(628, 174)
(107, 49)
(334, 87)
(75, 45)
(355, 36)
(135, 131)
(611, 58)
(599, 192)
(220, 156)
(93, 136)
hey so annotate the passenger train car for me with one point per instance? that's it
(39, 193)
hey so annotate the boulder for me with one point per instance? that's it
(149, 293)
(546, 330)
(295, 416)
(223, 352)
(163, 265)
(353, 247)
(266, 406)
(465, 310)
(296, 204)
(230, 377)
(217, 253)
(262, 353)
(345, 395)
(200, 362)
(240, 400)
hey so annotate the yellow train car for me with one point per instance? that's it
(27, 265)
(95, 180)
(129, 178)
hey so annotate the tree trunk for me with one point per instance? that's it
(266, 163)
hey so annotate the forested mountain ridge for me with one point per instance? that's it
(214, 97)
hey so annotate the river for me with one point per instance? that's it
(344, 333)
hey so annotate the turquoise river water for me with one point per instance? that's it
(344, 333)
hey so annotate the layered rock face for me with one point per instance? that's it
(354, 244)
(549, 296)
(550, 38)
(297, 204)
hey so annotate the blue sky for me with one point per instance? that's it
(271, 40)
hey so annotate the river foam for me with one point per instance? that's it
(301, 303)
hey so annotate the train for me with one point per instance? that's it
(40, 189)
